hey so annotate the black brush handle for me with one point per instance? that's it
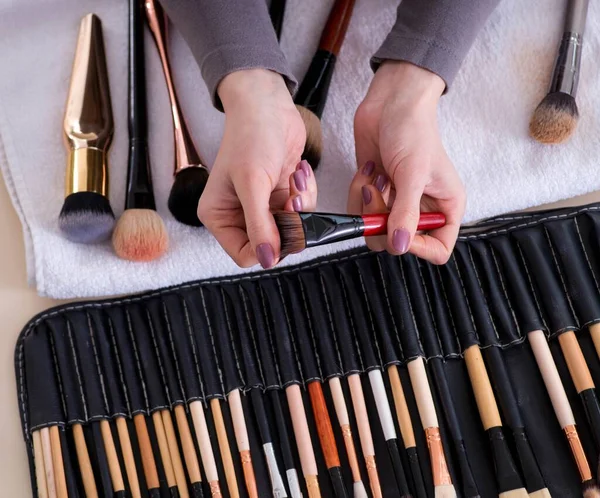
(531, 472)
(592, 410)
(312, 93)
(284, 437)
(394, 452)
(417, 474)
(196, 490)
(120, 494)
(139, 181)
(256, 398)
(154, 493)
(337, 482)
(174, 492)
(501, 382)
(277, 12)
(506, 471)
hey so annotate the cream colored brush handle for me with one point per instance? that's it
(163, 448)
(300, 426)
(127, 451)
(406, 428)
(362, 418)
(48, 464)
(202, 434)
(60, 479)
(484, 395)
(420, 384)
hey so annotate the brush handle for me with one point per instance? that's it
(336, 26)
(185, 153)
(324, 427)
(576, 16)
(376, 224)
(277, 12)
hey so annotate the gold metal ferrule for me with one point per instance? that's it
(215, 489)
(578, 453)
(439, 468)
(88, 122)
(373, 475)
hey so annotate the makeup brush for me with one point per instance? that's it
(555, 118)
(301, 230)
(165, 454)
(277, 12)
(86, 216)
(60, 481)
(225, 449)
(40, 469)
(190, 174)
(312, 93)
(140, 234)
(48, 464)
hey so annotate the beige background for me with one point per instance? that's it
(18, 304)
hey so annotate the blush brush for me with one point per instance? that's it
(190, 174)
(555, 118)
(301, 230)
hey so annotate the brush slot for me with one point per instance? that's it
(319, 309)
(587, 227)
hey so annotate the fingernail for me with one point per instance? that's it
(265, 255)
(300, 180)
(380, 182)
(304, 166)
(368, 168)
(400, 240)
(366, 193)
(297, 204)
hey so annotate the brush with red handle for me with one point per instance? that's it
(301, 230)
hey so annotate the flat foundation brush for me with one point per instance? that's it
(555, 118)
(190, 174)
(301, 230)
(312, 94)
(86, 216)
(140, 234)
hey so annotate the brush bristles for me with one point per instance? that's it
(314, 137)
(359, 490)
(590, 489)
(445, 491)
(185, 194)
(140, 235)
(291, 232)
(554, 119)
(86, 218)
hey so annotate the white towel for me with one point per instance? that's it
(483, 121)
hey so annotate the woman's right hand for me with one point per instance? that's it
(257, 169)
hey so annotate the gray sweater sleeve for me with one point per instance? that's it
(435, 34)
(228, 35)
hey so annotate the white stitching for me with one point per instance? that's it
(352, 326)
(251, 334)
(587, 259)
(212, 339)
(188, 323)
(172, 345)
(269, 335)
(449, 312)
(369, 312)
(331, 324)
(531, 286)
(291, 334)
(505, 292)
(97, 361)
(61, 389)
(410, 307)
(137, 358)
(387, 300)
(158, 358)
(229, 329)
(433, 320)
(81, 392)
(310, 329)
(113, 340)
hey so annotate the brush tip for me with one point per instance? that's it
(86, 218)
(140, 235)
(555, 118)
(359, 490)
(590, 489)
(313, 148)
(185, 194)
(445, 491)
(291, 232)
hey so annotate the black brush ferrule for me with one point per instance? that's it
(196, 490)
(322, 228)
(313, 90)
(139, 182)
(592, 411)
(154, 493)
(469, 485)
(417, 474)
(174, 492)
(394, 452)
(506, 472)
(337, 482)
(120, 494)
(531, 472)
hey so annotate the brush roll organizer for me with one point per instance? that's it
(347, 313)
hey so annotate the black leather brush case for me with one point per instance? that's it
(345, 313)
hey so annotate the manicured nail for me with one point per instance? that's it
(265, 255)
(380, 182)
(304, 166)
(300, 180)
(368, 168)
(297, 204)
(366, 193)
(400, 240)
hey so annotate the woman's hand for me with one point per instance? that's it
(397, 138)
(257, 169)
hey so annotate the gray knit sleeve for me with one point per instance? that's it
(435, 34)
(227, 36)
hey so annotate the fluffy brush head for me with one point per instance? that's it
(86, 218)
(314, 137)
(185, 193)
(291, 232)
(554, 119)
(590, 489)
(445, 491)
(140, 235)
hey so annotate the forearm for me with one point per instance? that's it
(435, 34)
(228, 35)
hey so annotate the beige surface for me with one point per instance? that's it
(18, 304)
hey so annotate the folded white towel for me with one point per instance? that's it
(483, 120)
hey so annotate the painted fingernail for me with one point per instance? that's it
(366, 193)
(265, 255)
(300, 180)
(304, 166)
(368, 168)
(400, 240)
(297, 204)
(380, 182)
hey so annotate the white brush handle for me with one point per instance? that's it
(338, 401)
(420, 385)
(276, 479)
(551, 377)
(294, 483)
(382, 404)
(300, 425)
(239, 421)
(206, 451)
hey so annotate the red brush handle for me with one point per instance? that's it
(376, 224)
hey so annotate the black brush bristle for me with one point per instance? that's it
(86, 218)
(291, 232)
(185, 194)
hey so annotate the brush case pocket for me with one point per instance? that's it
(83, 364)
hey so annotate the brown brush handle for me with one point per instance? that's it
(243, 441)
(148, 462)
(48, 464)
(185, 152)
(163, 447)
(336, 27)
(60, 480)
(224, 448)
(595, 333)
(83, 459)
(127, 451)
(324, 427)
(576, 363)
(406, 428)
(111, 455)
(174, 452)
(187, 444)
(484, 395)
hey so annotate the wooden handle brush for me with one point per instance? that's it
(312, 94)
(206, 450)
(165, 455)
(140, 234)
(189, 450)
(190, 174)
(224, 448)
